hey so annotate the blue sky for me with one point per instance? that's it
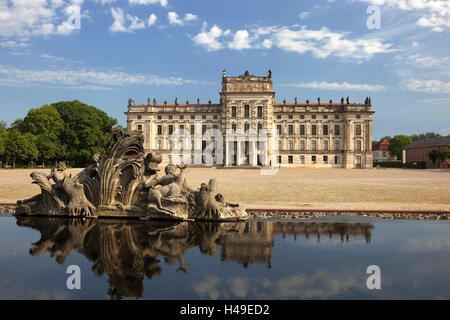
(165, 49)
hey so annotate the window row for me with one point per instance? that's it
(313, 130)
(302, 116)
(314, 159)
(181, 127)
(314, 145)
(259, 111)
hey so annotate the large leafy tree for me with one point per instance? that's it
(397, 143)
(20, 146)
(3, 136)
(86, 130)
(45, 123)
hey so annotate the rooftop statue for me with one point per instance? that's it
(126, 183)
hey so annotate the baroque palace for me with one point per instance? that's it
(320, 134)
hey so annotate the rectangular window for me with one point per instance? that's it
(181, 128)
(169, 144)
(302, 144)
(233, 127)
(192, 145)
(358, 129)
(279, 159)
(159, 117)
(214, 126)
(313, 159)
(358, 145)
(336, 116)
(302, 129)
(290, 145)
(325, 129)
(358, 116)
(291, 129)
(203, 128)
(325, 159)
(170, 158)
(203, 116)
(140, 127)
(247, 111)
(246, 127)
(325, 144)
(290, 159)
(170, 117)
(302, 117)
(291, 116)
(159, 144)
(337, 129)
(260, 111)
(159, 129)
(313, 129)
(325, 117)
(139, 116)
(337, 145)
(192, 129)
(260, 127)
(336, 159)
(278, 116)
(302, 159)
(313, 145)
(192, 117)
(215, 116)
(279, 129)
(170, 129)
(313, 117)
(181, 117)
(233, 111)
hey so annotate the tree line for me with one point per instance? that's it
(65, 130)
(399, 142)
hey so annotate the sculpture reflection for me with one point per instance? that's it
(128, 250)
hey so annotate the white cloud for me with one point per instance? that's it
(120, 21)
(174, 19)
(240, 40)
(321, 43)
(13, 44)
(163, 3)
(37, 17)
(152, 19)
(304, 15)
(434, 14)
(428, 86)
(209, 39)
(337, 86)
(83, 78)
(190, 17)
(136, 23)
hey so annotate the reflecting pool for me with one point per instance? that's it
(325, 258)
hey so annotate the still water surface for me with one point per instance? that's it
(322, 259)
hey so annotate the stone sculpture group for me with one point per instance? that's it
(126, 183)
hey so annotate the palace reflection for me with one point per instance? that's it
(129, 250)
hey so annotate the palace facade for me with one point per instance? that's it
(320, 134)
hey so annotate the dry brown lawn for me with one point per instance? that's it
(299, 187)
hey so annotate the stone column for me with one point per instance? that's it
(239, 152)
